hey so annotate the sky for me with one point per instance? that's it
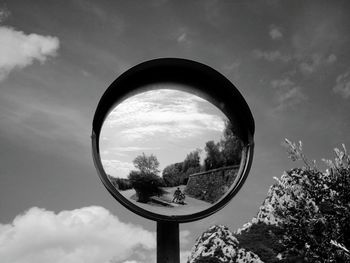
(166, 123)
(289, 59)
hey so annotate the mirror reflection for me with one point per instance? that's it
(170, 152)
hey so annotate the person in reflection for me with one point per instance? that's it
(177, 195)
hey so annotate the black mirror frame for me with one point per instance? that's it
(195, 78)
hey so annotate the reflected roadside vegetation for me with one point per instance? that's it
(170, 152)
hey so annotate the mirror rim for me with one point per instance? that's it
(197, 79)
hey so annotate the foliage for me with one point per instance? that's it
(172, 174)
(218, 245)
(263, 240)
(231, 146)
(192, 160)
(208, 259)
(178, 173)
(120, 183)
(146, 182)
(214, 158)
(146, 185)
(306, 215)
(147, 164)
(224, 153)
(314, 208)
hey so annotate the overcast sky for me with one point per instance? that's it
(290, 60)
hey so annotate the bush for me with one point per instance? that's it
(192, 160)
(172, 174)
(208, 259)
(120, 183)
(146, 185)
(314, 208)
(263, 240)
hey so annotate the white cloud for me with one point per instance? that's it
(86, 235)
(174, 113)
(275, 32)
(117, 168)
(18, 50)
(134, 149)
(271, 55)
(308, 63)
(287, 93)
(184, 255)
(342, 86)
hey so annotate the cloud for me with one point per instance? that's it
(232, 68)
(166, 122)
(4, 14)
(310, 64)
(313, 43)
(271, 55)
(317, 38)
(86, 235)
(184, 255)
(18, 50)
(275, 32)
(342, 86)
(117, 168)
(183, 37)
(134, 148)
(288, 94)
(172, 113)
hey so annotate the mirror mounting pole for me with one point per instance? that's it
(168, 244)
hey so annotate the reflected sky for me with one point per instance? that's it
(168, 123)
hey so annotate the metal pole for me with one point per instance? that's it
(168, 244)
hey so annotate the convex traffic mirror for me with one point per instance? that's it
(172, 140)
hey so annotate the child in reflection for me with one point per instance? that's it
(179, 197)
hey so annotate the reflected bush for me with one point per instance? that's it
(146, 185)
(172, 174)
(178, 173)
(121, 184)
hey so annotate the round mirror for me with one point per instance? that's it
(170, 152)
(172, 140)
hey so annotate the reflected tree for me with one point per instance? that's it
(147, 164)
(146, 181)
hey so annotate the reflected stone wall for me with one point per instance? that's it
(211, 185)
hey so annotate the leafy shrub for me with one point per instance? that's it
(314, 208)
(263, 240)
(147, 163)
(146, 185)
(120, 183)
(192, 160)
(172, 174)
(208, 259)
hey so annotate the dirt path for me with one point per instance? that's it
(193, 205)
